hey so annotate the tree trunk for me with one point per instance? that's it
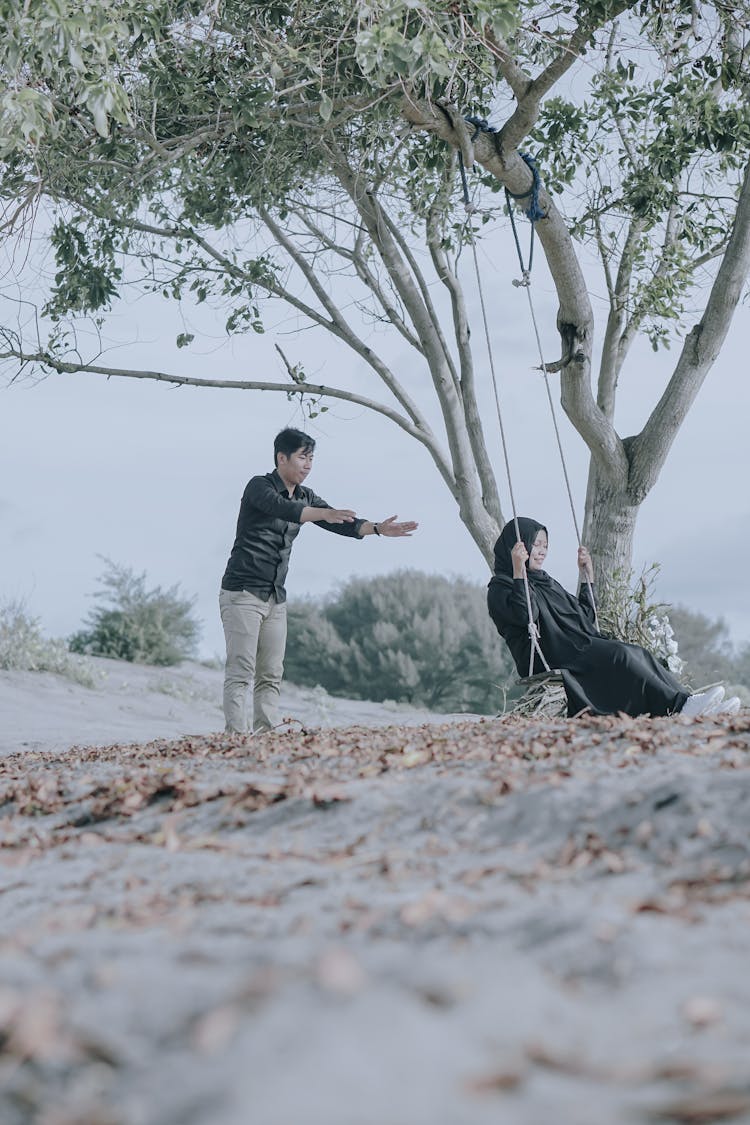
(609, 525)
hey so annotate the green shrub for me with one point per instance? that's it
(709, 654)
(408, 636)
(24, 648)
(627, 612)
(133, 623)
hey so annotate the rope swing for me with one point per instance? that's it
(533, 213)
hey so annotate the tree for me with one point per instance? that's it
(413, 637)
(705, 647)
(131, 622)
(245, 152)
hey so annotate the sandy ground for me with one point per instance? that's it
(134, 702)
(506, 922)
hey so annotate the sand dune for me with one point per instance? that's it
(505, 922)
(134, 702)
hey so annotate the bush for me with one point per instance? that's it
(627, 613)
(707, 649)
(24, 648)
(694, 647)
(407, 636)
(133, 623)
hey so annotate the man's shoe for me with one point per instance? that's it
(702, 702)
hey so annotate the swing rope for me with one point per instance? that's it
(534, 646)
(533, 213)
(525, 283)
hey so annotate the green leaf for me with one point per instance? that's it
(98, 109)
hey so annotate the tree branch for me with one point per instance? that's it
(338, 326)
(424, 436)
(481, 524)
(462, 332)
(614, 348)
(516, 77)
(702, 345)
(366, 276)
(424, 289)
(522, 121)
(575, 318)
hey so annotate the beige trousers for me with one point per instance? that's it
(255, 632)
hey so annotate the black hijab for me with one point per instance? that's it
(507, 540)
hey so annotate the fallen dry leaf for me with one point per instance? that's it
(214, 1030)
(703, 1108)
(436, 904)
(495, 1081)
(702, 1011)
(339, 971)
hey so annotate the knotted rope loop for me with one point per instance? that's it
(533, 212)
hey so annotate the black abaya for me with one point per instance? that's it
(601, 676)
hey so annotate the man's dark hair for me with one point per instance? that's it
(291, 441)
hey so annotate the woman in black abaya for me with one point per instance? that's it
(600, 676)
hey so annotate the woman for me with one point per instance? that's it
(600, 676)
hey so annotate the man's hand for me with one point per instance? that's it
(392, 530)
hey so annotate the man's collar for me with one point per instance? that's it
(279, 484)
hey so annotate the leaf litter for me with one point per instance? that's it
(339, 842)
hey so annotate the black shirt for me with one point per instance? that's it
(268, 524)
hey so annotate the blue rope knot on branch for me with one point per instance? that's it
(533, 212)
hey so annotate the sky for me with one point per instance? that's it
(150, 476)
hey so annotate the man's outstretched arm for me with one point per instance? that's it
(345, 522)
(388, 528)
(315, 514)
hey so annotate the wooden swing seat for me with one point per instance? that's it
(554, 676)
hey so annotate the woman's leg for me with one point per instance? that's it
(614, 676)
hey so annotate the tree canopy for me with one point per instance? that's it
(407, 636)
(244, 152)
(131, 622)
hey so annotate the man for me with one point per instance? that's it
(252, 598)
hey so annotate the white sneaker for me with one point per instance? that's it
(702, 702)
(729, 706)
